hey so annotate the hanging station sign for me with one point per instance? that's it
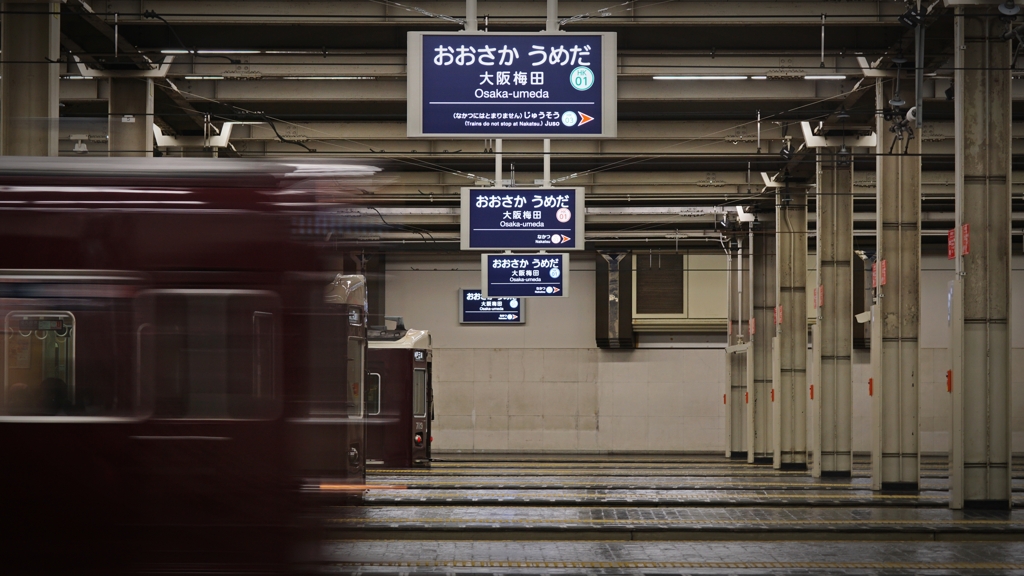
(522, 219)
(512, 85)
(475, 309)
(525, 275)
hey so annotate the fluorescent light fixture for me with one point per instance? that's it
(204, 77)
(184, 51)
(826, 77)
(75, 78)
(700, 77)
(328, 77)
(227, 51)
(758, 77)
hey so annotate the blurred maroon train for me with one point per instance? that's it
(178, 363)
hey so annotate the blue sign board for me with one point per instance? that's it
(525, 275)
(475, 309)
(522, 218)
(509, 84)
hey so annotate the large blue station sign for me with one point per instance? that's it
(525, 275)
(522, 218)
(498, 85)
(475, 309)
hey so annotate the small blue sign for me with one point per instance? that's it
(511, 84)
(475, 309)
(522, 218)
(525, 275)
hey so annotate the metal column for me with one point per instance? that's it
(790, 386)
(981, 449)
(895, 458)
(831, 400)
(738, 359)
(130, 123)
(758, 395)
(30, 72)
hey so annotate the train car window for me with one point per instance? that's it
(39, 364)
(419, 392)
(373, 394)
(356, 348)
(209, 354)
(264, 354)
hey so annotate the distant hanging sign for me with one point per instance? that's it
(522, 218)
(525, 275)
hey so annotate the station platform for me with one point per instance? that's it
(663, 515)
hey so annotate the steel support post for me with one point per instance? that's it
(895, 458)
(130, 120)
(737, 357)
(30, 70)
(831, 401)
(758, 398)
(980, 471)
(790, 447)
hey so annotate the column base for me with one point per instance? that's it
(900, 487)
(987, 505)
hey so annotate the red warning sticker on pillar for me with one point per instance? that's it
(882, 279)
(752, 327)
(965, 239)
(951, 244)
(874, 274)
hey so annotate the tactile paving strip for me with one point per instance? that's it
(564, 557)
(692, 518)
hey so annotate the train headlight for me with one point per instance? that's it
(417, 439)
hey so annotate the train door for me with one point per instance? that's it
(376, 412)
(212, 455)
(421, 408)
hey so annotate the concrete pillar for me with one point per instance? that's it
(832, 404)
(758, 397)
(790, 418)
(895, 458)
(30, 79)
(738, 359)
(981, 448)
(131, 117)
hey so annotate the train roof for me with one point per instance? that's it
(176, 168)
(407, 339)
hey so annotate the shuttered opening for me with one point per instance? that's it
(659, 284)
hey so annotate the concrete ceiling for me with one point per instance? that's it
(679, 141)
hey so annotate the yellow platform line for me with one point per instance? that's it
(699, 484)
(462, 494)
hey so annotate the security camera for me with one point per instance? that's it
(912, 114)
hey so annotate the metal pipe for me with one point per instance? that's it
(470, 15)
(739, 288)
(547, 162)
(552, 20)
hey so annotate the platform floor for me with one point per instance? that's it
(524, 515)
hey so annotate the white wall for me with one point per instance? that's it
(545, 386)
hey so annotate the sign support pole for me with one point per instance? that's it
(497, 162)
(551, 26)
(470, 15)
(547, 163)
